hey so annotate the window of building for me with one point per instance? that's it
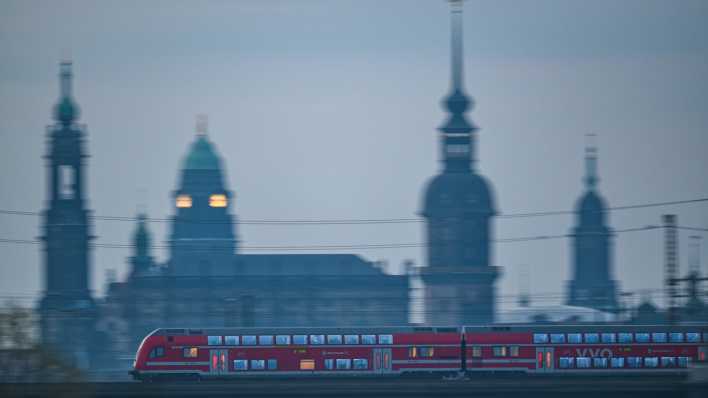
(608, 338)
(344, 364)
(427, 352)
(499, 351)
(514, 351)
(249, 340)
(257, 364)
(641, 337)
(634, 362)
(651, 362)
(659, 337)
(282, 339)
(540, 338)
(272, 364)
(624, 337)
(214, 340)
(317, 339)
(300, 339)
(265, 340)
(557, 338)
(575, 338)
(240, 364)
(329, 364)
(599, 362)
(592, 338)
(218, 200)
(385, 339)
(67, 182)
(157, 352)
(693, 337)
(361, 363)
(351, 339)
(582, 362)
(183, 201)
(307, 364)
(683, 362)
(566, 362)
(476, 351)
(368, 339)
(231, 340)
(676, 337)
(617, 362)
(668, 362)
(334, 339)
(190, 352)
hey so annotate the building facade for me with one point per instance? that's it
(458, 207)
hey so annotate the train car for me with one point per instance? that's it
(239, 352)
(585, 349)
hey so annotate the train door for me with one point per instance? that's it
(382, 360)
(219, 362)
(545, 360)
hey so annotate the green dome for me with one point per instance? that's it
(202, 156)
(66, 110)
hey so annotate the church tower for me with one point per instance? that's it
(141, 262)
(202, 241)
(67, 310)
(458, 207)
(592, 285)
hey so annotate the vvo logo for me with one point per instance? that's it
(594, 352)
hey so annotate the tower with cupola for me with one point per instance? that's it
(458, 207)
(67, 310)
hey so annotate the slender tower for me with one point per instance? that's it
(458, 206)
(592, 284)
(67, 309)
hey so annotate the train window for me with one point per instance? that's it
(248, 340)
(565, 362)
(361, 363)
(307, 364)
(575, 338)
(300, 339)
(257, 364)
(582, 362)
(683, 362)
(476, 351)
(676, 337)
(617, 362)
(540, 338)
(693, 337)
(190, 352)
(557, 338)
(608, 337)
(624, 337)
(659, 337)
(317, 339)
(599, 362)
(668, 362)
(282, 339)
(413, 352)
(265, 340)
(272, 364)
(427, 352)
(157, 352)
(344, 363)
(334, 339)
(240, 364)
(514, 351)
(651, 362)
(592, 338)
(385, 339)
(368, 339)
(231, 340)
(499, 351)
(641, 337)
(329, 364)
(634, 362)
(214, 340)
(351, 339)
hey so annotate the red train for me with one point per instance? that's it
(235, 352)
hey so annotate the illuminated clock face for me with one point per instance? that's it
(183, 201)
(218, 200)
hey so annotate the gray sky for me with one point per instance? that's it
(329, 109)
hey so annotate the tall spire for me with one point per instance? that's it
(202, 125)
(456, 48)
(65, 110)
(591, 178)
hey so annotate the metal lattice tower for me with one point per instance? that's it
(670, 262)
